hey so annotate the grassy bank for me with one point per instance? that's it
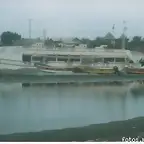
(113, 131)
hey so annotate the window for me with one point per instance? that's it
(26, 58)
(62, 58)
(120, 59)
(87, 61)
(108, 59)
(37, 58)
(50, 59)
(96, 60)
(74, 58)
(129, 60)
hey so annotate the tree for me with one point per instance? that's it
(137, 39)
(49, 42)
(7, 38)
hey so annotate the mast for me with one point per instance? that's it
(124, 35)
(30, 20)
(44, 34)
(113, 32)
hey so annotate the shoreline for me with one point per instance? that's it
(20, 77)
(112, 131)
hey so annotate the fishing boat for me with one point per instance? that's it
(95, 61)
(97, 70)
(134, 70)
(53, 68)
(56, 67)
(137, 88)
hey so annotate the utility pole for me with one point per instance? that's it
(29, 27)
(44, 34)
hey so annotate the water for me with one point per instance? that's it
(37, 108)
(55, 107)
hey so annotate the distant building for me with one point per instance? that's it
(81, 46)
(70, 42)
(27, 42)
(102, 47)
(109, 36)
(38, 45)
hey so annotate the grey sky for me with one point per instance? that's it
(88, 18)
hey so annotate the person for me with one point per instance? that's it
(141, 61)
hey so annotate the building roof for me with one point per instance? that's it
(84, 52)
(109, 36)
(71, 41)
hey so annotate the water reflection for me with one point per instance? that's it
(137, 89)
(36, 107)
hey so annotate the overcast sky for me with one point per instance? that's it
(85, 18)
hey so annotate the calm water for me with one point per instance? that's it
(54, 107)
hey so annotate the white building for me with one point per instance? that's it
(38, 45)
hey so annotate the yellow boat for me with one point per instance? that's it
(97, 70)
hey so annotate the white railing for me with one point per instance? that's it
(79, 50)
(98, 54)
(54, 63)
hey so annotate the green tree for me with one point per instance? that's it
(7, 38)
(49, 42)
(137, 39)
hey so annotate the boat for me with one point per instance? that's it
(93, 61)
(137, 88)
(53, 68)
(96, 70)
(78, 57)
(133, 70)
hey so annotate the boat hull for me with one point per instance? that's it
(50, 69)
(56, 71)
(91, 70)
(78, 69)
(134, 70)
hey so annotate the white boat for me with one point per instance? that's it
(101, 58)
(57, 71)
(54, 68)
